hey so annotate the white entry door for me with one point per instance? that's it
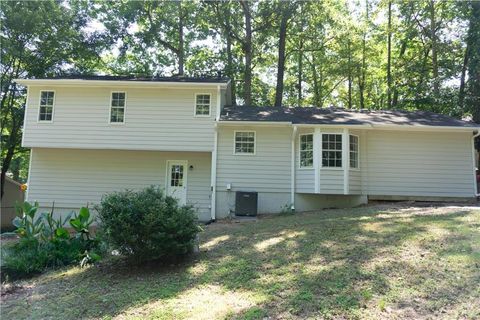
(177, 180)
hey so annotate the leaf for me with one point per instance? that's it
(76, 224)
(17, 222)
(95, 257)
(62, 233)
(26, 207)
(84, 214)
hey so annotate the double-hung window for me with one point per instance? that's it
(45, 112)
(117, 107)
(332, 150)
(244, 142)
(353, 151)
(306, 151)
(202, 105)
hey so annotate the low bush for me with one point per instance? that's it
(46, 243)
(147, 225)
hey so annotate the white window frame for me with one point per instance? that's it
(321, 152)
(40, 103)
(300, 151)
(195, 106)
(110, 109)
(254, 143)
(358, 152)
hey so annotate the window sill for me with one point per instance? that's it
(332, 168)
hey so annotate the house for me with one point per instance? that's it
(13, 194)
(93, 135)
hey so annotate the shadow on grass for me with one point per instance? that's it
(330, 264)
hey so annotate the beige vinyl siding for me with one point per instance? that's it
(355, 182)
(155, 119)
(331, 181)
(266, 171)
(73, 178)
(305, 181)
(419, 164)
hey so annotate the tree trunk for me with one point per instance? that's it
(11, 144)
(349, 76)
(389, 56)
(461, 91)
(363, 74)
(316, 94)
(247, 50)
(230, 71)
(403, 49)
(473, 68)
(433, 36)
(281, 55)
(181, 50)
(300, 73)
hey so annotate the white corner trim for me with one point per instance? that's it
(317, 156)
(345, 160)
(292, 169)
(476, 192)
(27, 102)
(29, 174)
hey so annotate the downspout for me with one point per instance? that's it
(213, 177)
(292, 172)
(475, 188)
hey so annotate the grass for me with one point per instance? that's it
(365, 263)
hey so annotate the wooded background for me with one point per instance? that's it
(367, 54)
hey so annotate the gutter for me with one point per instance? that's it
(350, 126)
(117, 83)
(213, 176)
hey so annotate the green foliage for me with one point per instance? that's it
(39, 39)
(146, 224)
(46, 243)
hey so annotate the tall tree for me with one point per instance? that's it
(473, 40)
(434, 43)
(37, 45)
(248, 52)
(286, 12)
(389, 55)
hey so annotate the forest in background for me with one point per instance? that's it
(366, 54)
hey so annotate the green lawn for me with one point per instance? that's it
(372, 262)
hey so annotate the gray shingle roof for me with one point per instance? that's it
(136, 78)
(338, 116)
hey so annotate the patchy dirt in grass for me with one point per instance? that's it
(382, 261)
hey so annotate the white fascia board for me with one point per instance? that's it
(117, 83)
(392, 127)
(255, 123)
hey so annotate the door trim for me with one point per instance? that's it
(185, 176)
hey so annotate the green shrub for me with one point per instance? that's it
(46, 243)
(146, 224)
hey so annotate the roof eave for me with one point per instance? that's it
(354, 126)
(117, 83)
